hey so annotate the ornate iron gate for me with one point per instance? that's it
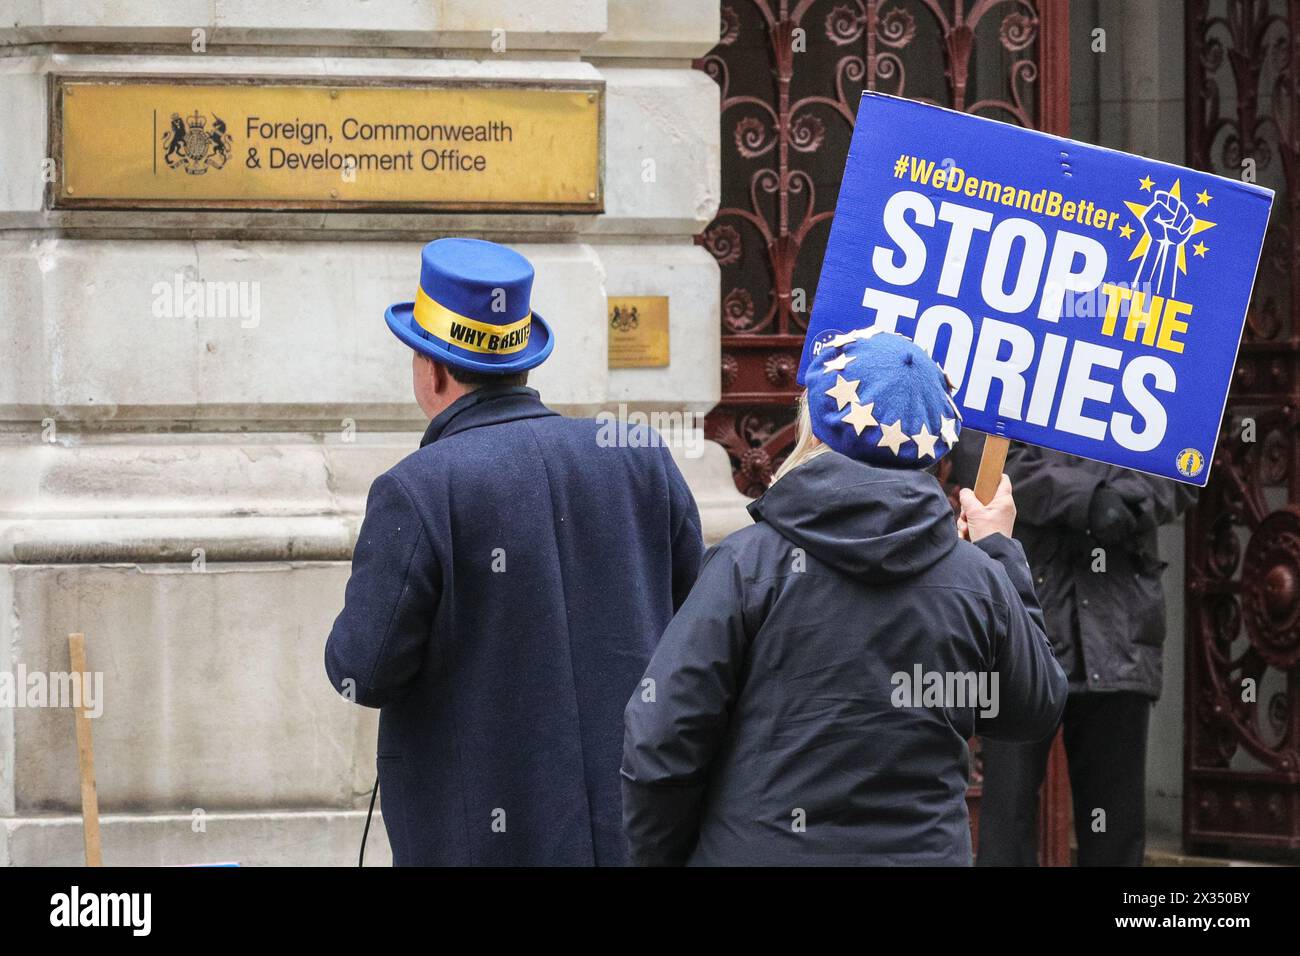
(791, 72)
(1241, 767)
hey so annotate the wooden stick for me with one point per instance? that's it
(990, 473)
(86, 756)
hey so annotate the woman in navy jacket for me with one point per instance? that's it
(811, 701)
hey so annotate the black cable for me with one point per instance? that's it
(366, 832)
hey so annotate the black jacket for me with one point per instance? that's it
(768, 728)
(510, 582)
(1105, 610)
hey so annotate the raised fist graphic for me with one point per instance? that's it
(1168, 219)
(1168, 224)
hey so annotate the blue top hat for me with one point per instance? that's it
(473, 309)
(877, 397)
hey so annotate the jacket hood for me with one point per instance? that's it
(874, 524)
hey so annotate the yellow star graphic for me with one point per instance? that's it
(1146, 182)
(893, 437)
(1126, 231)
(948, 431)
(924, 442)
(838, 364)
(844, 391)
(1200, 249)
(860, 416)
(1203, 197)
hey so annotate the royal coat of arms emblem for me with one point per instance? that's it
(624, 320)
(191, 146)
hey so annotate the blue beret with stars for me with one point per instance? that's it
(877, 397)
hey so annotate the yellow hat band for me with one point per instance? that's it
(467, 333)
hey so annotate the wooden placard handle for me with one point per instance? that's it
(86, 756)
(991, 464)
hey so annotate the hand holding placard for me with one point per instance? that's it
(979, 519)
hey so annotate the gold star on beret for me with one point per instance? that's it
(893, 437)
(860, 417)
(839, 363)
(924, 442)
(844, 391)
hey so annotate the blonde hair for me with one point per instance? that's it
(807, 446)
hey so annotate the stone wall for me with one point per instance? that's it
(187, 491)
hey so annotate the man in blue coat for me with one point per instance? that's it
(510, 582)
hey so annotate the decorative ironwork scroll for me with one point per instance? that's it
(1241, 767)
(791, 73)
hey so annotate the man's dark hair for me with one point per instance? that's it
(477, 379)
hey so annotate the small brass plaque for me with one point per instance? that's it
(271, 143)
(638, 331)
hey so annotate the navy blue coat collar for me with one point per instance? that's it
(488, 405)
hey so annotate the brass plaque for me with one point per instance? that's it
(271, 143)
(638, 331)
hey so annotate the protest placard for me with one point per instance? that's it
(1079, 298)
